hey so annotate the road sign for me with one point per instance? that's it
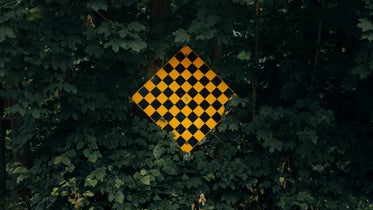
(184, 97)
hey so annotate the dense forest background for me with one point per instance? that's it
(298, 135)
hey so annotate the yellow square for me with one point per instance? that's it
(174, 123)
(174, 74)
(211, 111)
(177, 135)
(187, 98)
(198, 86)
(186, 123)
(186, 75)
(210, 87)
(186, 63)
(149, 110)
(162, 110)
(199, 123)
(161, 123)
(174, 62)
(222, 99)
(137, 97)
(221, 110)
(199, 135)
(210, 75)
(186, 111)
(198, 62)
(211, 123)
(198, 111)
(187, 135)
(222, 87)
(174, 111)
(161, 74)
(149, 85)
(186, 148)
(162, 98)
(186, 50)
(149, 98)
(198, 74)
(186, 86)
(210, 98)
(162, 86)
(174, 86)
(198, 98)
(174, 98)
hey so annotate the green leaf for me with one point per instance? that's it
(145, 180)
(365, 24)
(6, 31)
(88, 194)
(136, 26)
(181, 35)
(170, 170)
(119, 197)
(244, 55)
(97, 5)
(362, 71)
(136, 45)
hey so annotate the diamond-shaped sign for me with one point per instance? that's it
(184, 97)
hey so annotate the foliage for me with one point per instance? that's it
(72, 66)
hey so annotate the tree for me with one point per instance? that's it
(297, 135)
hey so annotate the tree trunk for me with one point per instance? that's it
(159, 12)
(2, 154)
(254, 83)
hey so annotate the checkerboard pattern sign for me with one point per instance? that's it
(184, 97)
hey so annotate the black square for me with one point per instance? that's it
(216, 93)
(156, 92)
(192, 92)
(228, 93)
(192, 117)
(168, 104)
(205, 129)
(192, 56)
(204, 81)
(143, 91)
(156, 80)
(216, 117)
(168, 128)
(155, 116)
(192, 104)
(168, 92)
(180, 56)
(168, 116)
(168, 68)
(204, 68)
(180, 141)
(192, 141)
(180, 80)
(180, 104)
(216, 81)
(143, 104)
(180, 68)
(180, 92)
(180, 129)
(205, 117)
(192, 68)
(168, 80)
(216, 105)
(180, 116)
(204, 92)
(192, 129)
(156, 104)
(192, 80)
(205, 105)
